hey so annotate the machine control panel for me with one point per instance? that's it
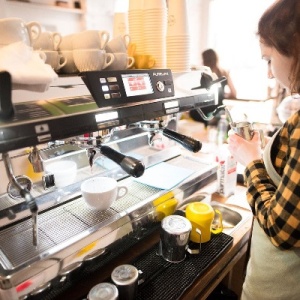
(110, 88)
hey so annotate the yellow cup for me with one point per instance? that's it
(131, 49)
(201, 215)
(143, 61)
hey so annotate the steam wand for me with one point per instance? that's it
(207, 82)
(24, 192)
(210, 115)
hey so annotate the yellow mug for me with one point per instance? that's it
(144, 61)
(201, 215)
(131, 49)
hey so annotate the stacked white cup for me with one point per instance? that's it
(135, 25)
(155, 29)
(65, 48)
(14, 30)
(88, 48)
(48, 43)
(178, 36)
(118, 47)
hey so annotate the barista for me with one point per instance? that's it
(273, 183)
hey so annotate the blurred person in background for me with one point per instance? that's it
(227, 91)
(272, 178)
(210, 59)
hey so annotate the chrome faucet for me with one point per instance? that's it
(35, 160)
(25, 193)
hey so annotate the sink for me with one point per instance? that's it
(233, 216)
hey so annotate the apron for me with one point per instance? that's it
(272, 273)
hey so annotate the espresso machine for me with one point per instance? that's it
(118, 124)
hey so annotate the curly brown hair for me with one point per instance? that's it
(279, 27)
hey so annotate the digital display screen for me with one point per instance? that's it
(137, 84)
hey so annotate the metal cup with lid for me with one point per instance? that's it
(125, 277)
(103, 291)
(174, 238)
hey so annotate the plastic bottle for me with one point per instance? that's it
(222, 130)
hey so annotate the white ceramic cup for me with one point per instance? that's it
(121, 62)
(64, 172)
(92, 59)
(100, 192)
(118, 44)
(47, 41)
(55, 60)
(41, 54)
(69, 67)
(90, 39)
(66, 42)
(14, 30)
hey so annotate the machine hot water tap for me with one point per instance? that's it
(24, 192)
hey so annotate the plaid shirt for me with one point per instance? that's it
(277, 209)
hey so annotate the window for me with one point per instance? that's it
(232, 26)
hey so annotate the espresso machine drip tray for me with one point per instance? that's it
(64, 223)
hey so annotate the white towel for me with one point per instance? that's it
(26, 67)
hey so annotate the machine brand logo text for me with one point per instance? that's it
(161, 74)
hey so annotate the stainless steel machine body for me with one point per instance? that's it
(69, 232)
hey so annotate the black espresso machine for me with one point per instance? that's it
(111, 123)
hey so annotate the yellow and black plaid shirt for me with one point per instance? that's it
(277, 209)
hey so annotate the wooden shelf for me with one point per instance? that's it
(45, 6)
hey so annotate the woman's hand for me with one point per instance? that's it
(242, 150)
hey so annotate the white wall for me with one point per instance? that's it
(99, 15)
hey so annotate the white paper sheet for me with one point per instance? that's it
(164, 176)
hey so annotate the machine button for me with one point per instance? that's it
(41, 128)
(112, 79)
(116, 95)
(160, 86)
(168, 82)
(114, 87)
(102, 80)
(105, 88)
(44, 138)
(106, 96)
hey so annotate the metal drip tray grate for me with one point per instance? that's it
(165, 280)
(62, 223)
